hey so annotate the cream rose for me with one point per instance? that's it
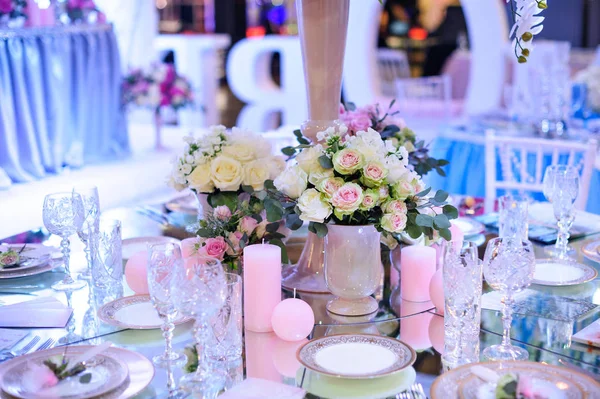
(374, 173)
(241, 152)
(347, 161)
(347, 199)
(227, 173)
(397, 169)
(315, 178)
(200, 179)
(395, 206)
(276, 166)
(255, 174)
(402, 190)
(394, 222)
(292, 181)
(370, 200)
(312, 207)
(330, 185)
(308, 159)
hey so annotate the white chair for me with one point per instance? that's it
(392, 65)
(429, 97)
(522, 164)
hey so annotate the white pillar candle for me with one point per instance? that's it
(417, 266)
(262, 285)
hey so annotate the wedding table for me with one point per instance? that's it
(60, 101)
(544, 330)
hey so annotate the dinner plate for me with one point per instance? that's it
(450, 384)
(184, 204)
(556, 273)
(468, 226)
(135, 312)
(131, 246)
(356, 356)
(107, 374)
(590, 250)
(32, 255)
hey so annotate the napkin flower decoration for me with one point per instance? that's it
(192, 359)
(517, 386)
(9, 258)
(51, 372)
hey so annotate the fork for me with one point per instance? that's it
(46, 345)
(12, 354)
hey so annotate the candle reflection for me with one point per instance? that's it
(259, 356)
(413, 328)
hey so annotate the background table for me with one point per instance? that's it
(546, 339)
(60, 99)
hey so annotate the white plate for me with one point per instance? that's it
(186, 204)
(135, 312)
(356, 356)
(131, 246)
(33, 255)
(555, 273)
(468, 226)
(590, 250)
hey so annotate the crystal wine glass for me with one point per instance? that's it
(508, 267)
(163, 260)
(91, 208)
(561, 187)
(63, 215)
(200, 292)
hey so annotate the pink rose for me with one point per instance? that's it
(222, 212)
(330, 185)
(369, 201)
(373, 174)
(394, 222)
(347, 199)
(214, 248)
(190, 246)
(6, 6)
(384, 192)
(347, 161)
(395, 206)
(234, 239)
(247, 225)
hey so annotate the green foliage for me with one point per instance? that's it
(325, 162)
(320, 229)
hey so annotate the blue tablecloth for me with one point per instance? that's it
(465, 175)
(59, 99)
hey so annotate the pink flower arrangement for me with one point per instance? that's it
(81, 5)
(6, 6)
(12, 10)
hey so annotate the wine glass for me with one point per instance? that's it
(163, 260)
(91, 209)
(63, 215)
(200, 290)
(561, 187)
(508, 267)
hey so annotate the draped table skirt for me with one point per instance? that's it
(60, 102)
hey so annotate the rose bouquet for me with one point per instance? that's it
(224, 234)
(389, 126)
(160, 87)
(359, 179)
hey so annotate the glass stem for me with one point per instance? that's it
(66, 253)
(167, 332)
(562, 239)
(507, 303)
(201, 336)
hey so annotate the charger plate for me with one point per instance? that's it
(454, 383)
(469, 226)
(40, 259)
(591, 250)
(134, 312)
(555, 273)
(356, 356)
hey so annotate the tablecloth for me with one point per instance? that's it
(59, 99)
(465, 175)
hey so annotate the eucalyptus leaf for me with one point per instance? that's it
(440, 196)
(293, 221)
(441, 222)
(450, 211)
(424, 220)
(272, 227)
(320, 229)
(247, 189)
(414, 231)
(424, 192)
(273, 209)
(280, 244)
(289, 151)
(325, 162)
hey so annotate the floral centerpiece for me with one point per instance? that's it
(78, 11)
(12, 13)
(9, 258)
(591, 78)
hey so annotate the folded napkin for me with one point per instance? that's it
(9, 338)
(256, 388)
(589, 335)
(45, 312)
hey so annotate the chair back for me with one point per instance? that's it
(429, 97)
(523, 161)
(392, 65)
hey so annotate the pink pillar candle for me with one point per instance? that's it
(416, 270)
(262, 285)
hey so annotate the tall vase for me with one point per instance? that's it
(323, 26)
(308, 274)
(353, 269)
(204, 208)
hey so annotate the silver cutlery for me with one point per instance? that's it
(46, 345)
(416, 391)
(24, 350)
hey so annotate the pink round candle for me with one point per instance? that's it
(136, 273)
(416, 270)
(293, 319)
(259, 356)
(262, 285)
(436, 333)
(436, 291)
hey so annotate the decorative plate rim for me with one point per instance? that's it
(583, 279)
(480, 227)
(56, 351)
(134, 299)
(591, 255)
(384, 372)
(445, 375)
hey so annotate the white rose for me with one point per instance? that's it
(396, 168)
(255, 174)
(308, 159)
(369, 144)
(226, 173)
(276, 165)
(313, 208)
(200, 179)
(318, 176)
(292, 181)
(241, 152)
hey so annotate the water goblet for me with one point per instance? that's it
(200, 292)
(513, 218)
(163, 260)
(63, 215)
(561, 187)
(508, 267)
(91, 208)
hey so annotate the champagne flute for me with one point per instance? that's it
(63, 215)
(508, 267)
(91, 208)
(561, 188)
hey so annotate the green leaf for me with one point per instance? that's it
(280, 244)
(389, 131)
(440, 196)
(424, 192)
(320, 229)
(261, 195)
(450, 211)
(269, 185)
(293, 221)
(441, 222)
(442, 162)
(247, 189)
(228, 198)
(272, 227)
(86, 378)
(445, 234)
(289, 151)
(440, 171)
(424, 220)
(274, 210)
(414, 231)
(257, 217)
(325, 162)
(300, 137)
(206, 233)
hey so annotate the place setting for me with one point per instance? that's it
(22, 260)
